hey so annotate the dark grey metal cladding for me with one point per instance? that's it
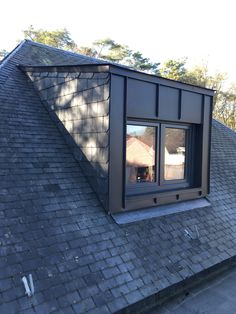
(169, 104)
(155, 199)
(134, 97)
(116, 143)
(141, 99)
(80, 101)
(191, 107)
(206, 143)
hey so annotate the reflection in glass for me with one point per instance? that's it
(140, 154)
(175, 140)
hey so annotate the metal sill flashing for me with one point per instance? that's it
(159, 211)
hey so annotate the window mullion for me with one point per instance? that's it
(161, 155)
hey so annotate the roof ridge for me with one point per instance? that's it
(11, 54)
(65, 51)
(5, 71)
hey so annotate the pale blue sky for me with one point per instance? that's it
(199, 30)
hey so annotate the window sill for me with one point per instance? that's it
(159, 211)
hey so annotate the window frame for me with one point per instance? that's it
(187, 168)
(160, 184)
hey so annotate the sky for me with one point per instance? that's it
(202, 31)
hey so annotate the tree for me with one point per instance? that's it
(106, 48)
(225, 107)
(59, 38)
(174, 69)
(110, 50)
(225, 98)
(88, 51)
(137, 61)
(3, 53)
(200, 76)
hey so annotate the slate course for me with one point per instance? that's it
(53, 226)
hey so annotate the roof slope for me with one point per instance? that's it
(52, 226)
(35, 54)
(40, 55)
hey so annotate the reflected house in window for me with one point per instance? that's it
(140, 154)
(140, 139)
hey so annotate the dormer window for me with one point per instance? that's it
(159, 141)
(140, 139)
(157, 156)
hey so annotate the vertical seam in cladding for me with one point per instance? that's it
(209, 143)
(109, 145)
(157, 100)
(161, 156)
(180, 105)
(202, 108)
(124, 138)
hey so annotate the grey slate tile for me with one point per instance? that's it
(50, 218)
(84, 306)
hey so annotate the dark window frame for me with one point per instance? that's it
(188, 148)
(160, 184)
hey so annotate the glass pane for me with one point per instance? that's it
(140, 154)
(175, 140)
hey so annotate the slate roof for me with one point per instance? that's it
(52, 225)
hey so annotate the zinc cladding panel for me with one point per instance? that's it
(141, 99)
(191, 107)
